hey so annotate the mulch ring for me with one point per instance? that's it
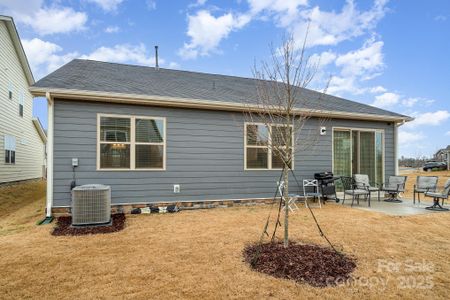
(64, 226)
(312, 264)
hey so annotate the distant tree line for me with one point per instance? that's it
(413, 162)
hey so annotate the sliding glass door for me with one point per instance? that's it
(342, 153)
(358, 151)
(366, 164)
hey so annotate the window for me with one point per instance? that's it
(10, 149)
(10, 91)
(21, 103)
(359, 151)
(265, 145)
(131, 143)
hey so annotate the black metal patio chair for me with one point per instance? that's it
(424, 184)
(394, 186)
(351, 189)
(362, 181)
(443, 195)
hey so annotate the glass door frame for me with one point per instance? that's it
(358, 129)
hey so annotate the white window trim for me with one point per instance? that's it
(269, 150)
(350, 129)
(10, 146)
(132, 143)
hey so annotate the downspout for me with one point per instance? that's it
(396, 126)
(50, 110)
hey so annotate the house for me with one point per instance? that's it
(164, 136)
(22, 138)
(443, 155)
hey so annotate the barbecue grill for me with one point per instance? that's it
(326, 183)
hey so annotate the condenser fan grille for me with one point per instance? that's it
(91, 204)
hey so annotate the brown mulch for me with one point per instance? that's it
(312, 264)
(64, 226)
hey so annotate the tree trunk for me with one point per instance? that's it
(286, 205)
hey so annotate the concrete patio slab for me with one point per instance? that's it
(405, 208)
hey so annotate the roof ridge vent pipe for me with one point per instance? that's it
(156, 58)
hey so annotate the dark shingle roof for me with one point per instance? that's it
(99, 76)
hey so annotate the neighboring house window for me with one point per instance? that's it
(359, 151)
(264, 145)
(131, 143)
(21, 103)
(10, 91)
(10, 149)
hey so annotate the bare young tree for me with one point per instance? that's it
(283, 109)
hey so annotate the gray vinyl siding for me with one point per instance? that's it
(205, 155)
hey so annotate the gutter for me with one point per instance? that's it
(154, 100)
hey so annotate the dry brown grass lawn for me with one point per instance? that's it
(412, 176)
(198, 255)
(21, 205)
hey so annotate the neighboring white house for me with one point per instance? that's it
(443, 155)
(22, 138)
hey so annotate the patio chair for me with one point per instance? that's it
(350, 188)
(362, 181)
(443, 195)
(292, 198)
(394, 186)
(424, 184)
(311, 189)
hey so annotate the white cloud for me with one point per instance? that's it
(440, 18)
(257, 6)
(410, 102)
(357, 66)
(112, 29)
(331, 28)
(362, 62)
(284, 11)
(428, 119)
(197, 3)
(447, 133)
(151, 4)
(323, 59)
(107, 5)
(326, 28)
(44, 56)
(206, 32)
(45, 20)
(377, 89)
(174, 65)
(123, 53)
(406, 137)
(386, 100)
(340, 85)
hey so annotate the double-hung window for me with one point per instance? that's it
(131, 143)
(10, 149)
(266, 145)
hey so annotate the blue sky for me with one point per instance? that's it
(391, 54)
